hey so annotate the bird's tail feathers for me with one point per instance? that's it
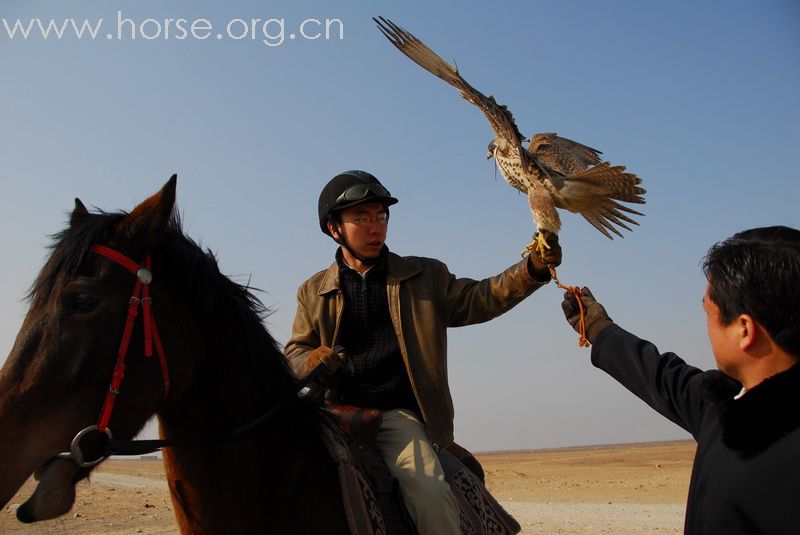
(608, 214)
(595, 192)
(612, 181)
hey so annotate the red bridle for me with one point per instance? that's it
(151, 338)
(141, 295)
(142, 288)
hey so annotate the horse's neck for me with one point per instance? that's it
(231, 486)
(269, 480)
(229, 371)
(225, 390)
(276, 479)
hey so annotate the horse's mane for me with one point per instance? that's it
(220, 302)
(68, 249)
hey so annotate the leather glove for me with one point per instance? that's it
(596, 317)
(325, 356)
(552, 256)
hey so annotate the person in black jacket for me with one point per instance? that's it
(745, 416)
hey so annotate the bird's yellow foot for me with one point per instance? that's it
(528, 248)
(539, 244)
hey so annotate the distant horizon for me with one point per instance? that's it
(589, 447)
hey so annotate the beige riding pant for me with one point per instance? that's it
(406, 449)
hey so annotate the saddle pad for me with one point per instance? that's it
(480, 512)
(361, 505)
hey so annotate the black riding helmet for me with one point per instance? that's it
(347, 189)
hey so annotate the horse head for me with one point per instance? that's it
(58, 373)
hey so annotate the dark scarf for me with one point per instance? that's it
(765, 414)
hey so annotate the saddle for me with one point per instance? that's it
(371, 495)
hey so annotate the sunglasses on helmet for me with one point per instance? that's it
(360, 191)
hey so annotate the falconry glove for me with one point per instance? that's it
(538, 266)
(596, 317)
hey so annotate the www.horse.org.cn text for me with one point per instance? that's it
(269, 31)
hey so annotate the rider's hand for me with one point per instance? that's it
(596, 317)
(324, 356)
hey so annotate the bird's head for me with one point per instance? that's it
(491, 149)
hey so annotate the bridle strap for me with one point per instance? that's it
(143, 447)
(140, 295)
(117, 257)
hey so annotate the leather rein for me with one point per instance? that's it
(141, 296)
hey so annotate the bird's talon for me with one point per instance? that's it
(528, 248)
(541, 246)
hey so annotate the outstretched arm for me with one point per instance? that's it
(469, 301)
(663, 381)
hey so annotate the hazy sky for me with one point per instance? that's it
(698, 98)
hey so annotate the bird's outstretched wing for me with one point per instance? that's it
(500, 119)
(562, 156)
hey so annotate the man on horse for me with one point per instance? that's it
(391, 314)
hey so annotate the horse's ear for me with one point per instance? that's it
(79, 213)
(152, 216)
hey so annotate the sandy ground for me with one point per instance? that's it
(621, 490)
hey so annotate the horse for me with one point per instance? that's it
(218, 369)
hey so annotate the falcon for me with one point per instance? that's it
(554, 172)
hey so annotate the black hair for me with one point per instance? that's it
(757, 272)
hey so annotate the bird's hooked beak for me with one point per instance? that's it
(490, 150)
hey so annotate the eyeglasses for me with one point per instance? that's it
(363, 221)
(359, 191)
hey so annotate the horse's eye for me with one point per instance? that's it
(80, 296)
(81, 304)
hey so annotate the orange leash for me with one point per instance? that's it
(576, 291)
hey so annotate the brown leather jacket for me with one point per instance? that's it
(424, 299)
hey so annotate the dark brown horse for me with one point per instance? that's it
(224, 368)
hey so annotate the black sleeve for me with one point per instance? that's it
(663, 381)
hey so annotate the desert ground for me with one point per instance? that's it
(623, 490)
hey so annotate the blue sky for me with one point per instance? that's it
(698, 98)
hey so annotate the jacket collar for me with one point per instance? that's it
(398, 269)
(764, 415)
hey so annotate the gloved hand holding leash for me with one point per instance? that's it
(589, 321)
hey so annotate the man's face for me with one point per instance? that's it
(364, 227)
(723, 338)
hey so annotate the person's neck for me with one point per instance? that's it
(766, 368)
(354, 263)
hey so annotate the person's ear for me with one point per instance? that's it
(748, 331)
(334, 230)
